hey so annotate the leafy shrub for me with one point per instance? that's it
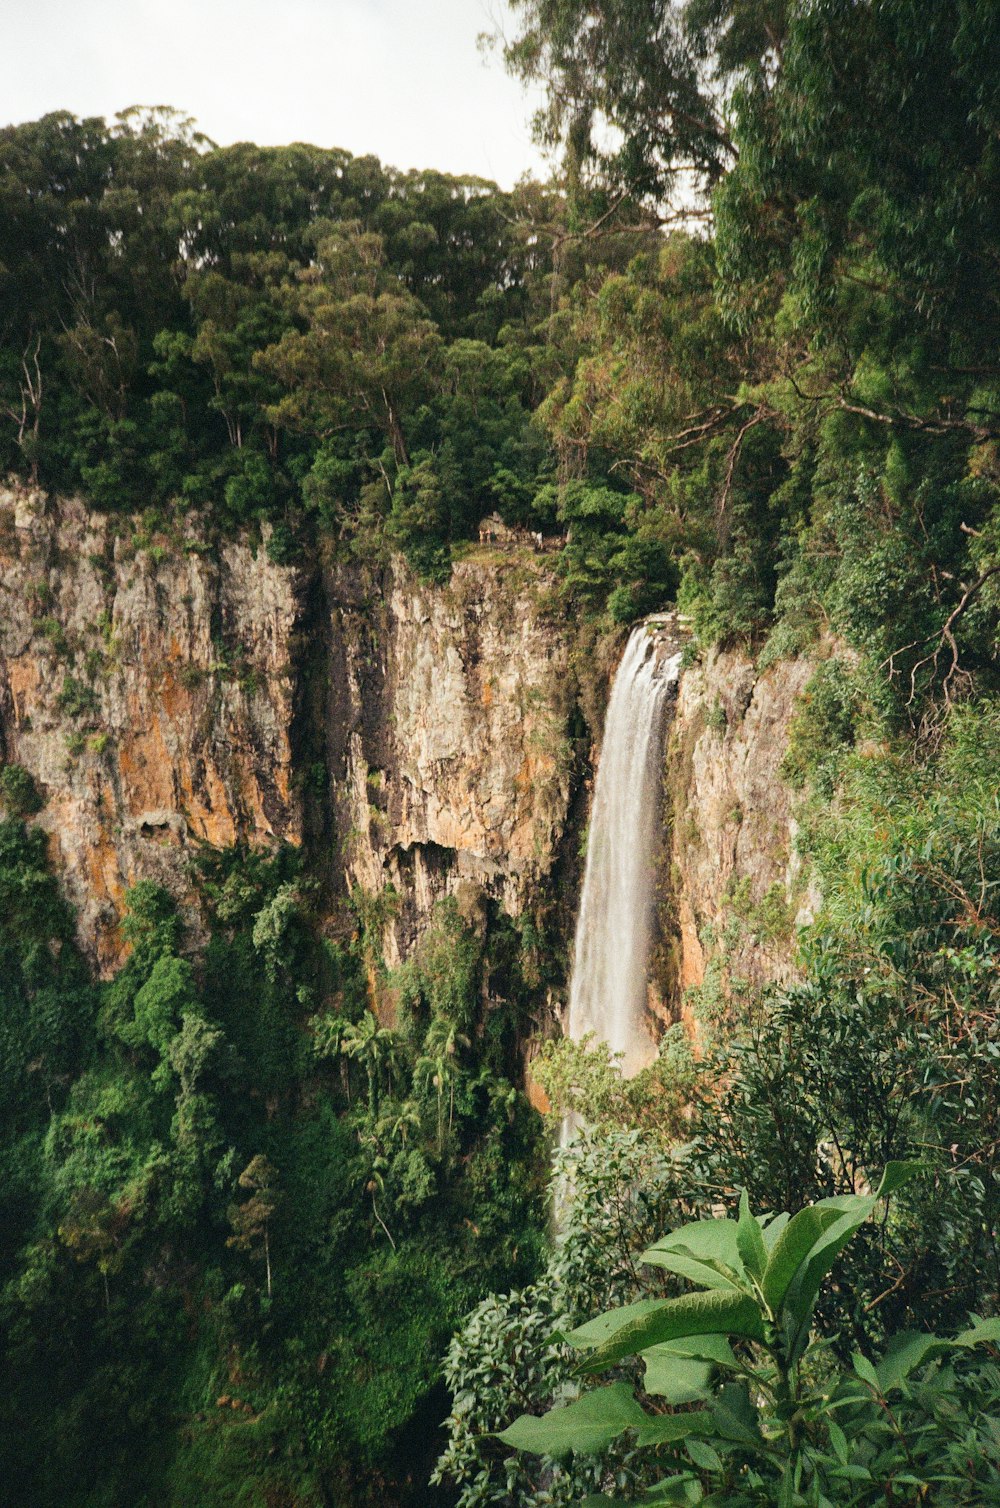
(76, 698)
(743, 1406)
(612, 1189)
(19, 792)
(822, 726)
(582, 1078)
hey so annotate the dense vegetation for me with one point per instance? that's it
(786, 1425)
(742, 355)
(886, 1050)
(283, 334)
(240, 1218)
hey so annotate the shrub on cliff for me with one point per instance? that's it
(18, 791)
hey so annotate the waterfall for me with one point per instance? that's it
(607, 994)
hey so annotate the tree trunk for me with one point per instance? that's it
(395, 431)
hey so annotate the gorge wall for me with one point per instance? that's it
(164, 693)
(735, 889)
(148, 688)
(451, 740)
(168, 692)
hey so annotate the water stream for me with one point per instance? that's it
(607, 994)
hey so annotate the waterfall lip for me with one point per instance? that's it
(665, 632)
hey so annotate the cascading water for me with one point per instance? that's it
(607, 994)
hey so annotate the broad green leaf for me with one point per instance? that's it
(855, 1210)
(681, 1370)
(707, 1273)
(706, 1252)
(716, 1313)
(801, 1293)
(679, 1489)
(912, 1349)
(750, 1241)
(786, 1489)
(605, 1325)
(713, 1348)
(797, 1240)
(905, 1353)
(895, 1174)
(771, 1230)
(839, 1441)
(736, 1416)
(851, 1473)
(715, 1239)
(588, 1425)
(703, 1455)
(982, 1332)
(678, 1378)
(865, 1370)
(664, 1429)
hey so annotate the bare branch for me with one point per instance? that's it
(945, 638)
(733, 456)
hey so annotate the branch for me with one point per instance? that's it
(945, 636)
(937, 426)
(926, 426)
(733, 457)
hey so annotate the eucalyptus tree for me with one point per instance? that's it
(368, 351)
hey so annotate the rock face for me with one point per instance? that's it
(148, 689)
(736, 891)
(458, 756)
(164, 693)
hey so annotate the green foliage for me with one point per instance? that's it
(823, 726)
(613, 1191)
(641, 74)
(76, 699)
(241, 1217)
(787, 422)
(582, 1078)
(780, 1425)
(251, 1217)
(442, 977)
(883, 1051)
(264, 333)
(19, 792)
(783, 409)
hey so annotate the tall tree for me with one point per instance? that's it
(368, 352)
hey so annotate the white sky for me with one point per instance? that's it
(400, 78)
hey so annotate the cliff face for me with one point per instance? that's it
(736, 891)
(148, 689)
(164, 693)
(456, 764)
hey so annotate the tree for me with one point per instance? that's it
(375, 1048)
(437, 1068)
(94, 1230)
(368, 352)
(251, 1218)
(636, 71)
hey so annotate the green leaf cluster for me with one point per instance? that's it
(781, 1426)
